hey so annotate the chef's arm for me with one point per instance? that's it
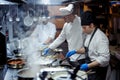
(81, 50)
(93, 64)
(90, 65)
(49, 40)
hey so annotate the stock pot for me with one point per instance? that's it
(25, 74)
(28, 73)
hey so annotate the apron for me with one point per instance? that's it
(100, 72)
(87, 59)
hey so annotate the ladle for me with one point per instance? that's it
(17, 18)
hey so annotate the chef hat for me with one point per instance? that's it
(45, 18)
(87, 18)
(67, 10)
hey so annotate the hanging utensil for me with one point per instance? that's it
(35, 18)
(28, 20)
(10, 19)
(17, 18)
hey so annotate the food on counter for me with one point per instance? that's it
(15, 61)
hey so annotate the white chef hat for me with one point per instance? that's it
(43, 18)
(67, 10)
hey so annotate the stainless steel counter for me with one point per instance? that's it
(11, 74)
(3, 72)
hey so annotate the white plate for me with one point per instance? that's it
(54, 69)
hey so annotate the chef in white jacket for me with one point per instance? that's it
(97, 46)
(45, 31)
(71, 32)
(43, 34)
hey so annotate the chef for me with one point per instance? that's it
(71, 32)
(96, 48)
(43, 34)
(45, 31)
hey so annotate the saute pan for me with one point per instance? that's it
(15, 63)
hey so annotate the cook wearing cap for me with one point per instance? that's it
(44, 31)
(66, 10)
(44, 17)
(71, 32)
(88, 18)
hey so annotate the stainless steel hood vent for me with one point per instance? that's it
(51, 2)
(45, 2)
(4, 2)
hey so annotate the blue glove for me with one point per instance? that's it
(46, 51)
(84, 67)
(70, 53)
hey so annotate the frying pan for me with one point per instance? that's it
(16, 63)
(28, 20)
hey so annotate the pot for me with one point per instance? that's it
(15, 63)
(28, 73)
(25, 74)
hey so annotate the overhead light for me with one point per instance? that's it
(114, 3)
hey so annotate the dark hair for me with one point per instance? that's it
(87, 18)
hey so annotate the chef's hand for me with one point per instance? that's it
(70, 53)
(46, 51)
(84, 67)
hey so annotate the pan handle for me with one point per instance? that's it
(52, 62)
(63, 60)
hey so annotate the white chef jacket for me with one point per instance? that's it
(33, 43)
(72, 32)
(42, 32)
(98, 48)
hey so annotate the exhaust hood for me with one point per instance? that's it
(3, 2)
(51, 2)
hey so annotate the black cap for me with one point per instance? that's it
(87, 18)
